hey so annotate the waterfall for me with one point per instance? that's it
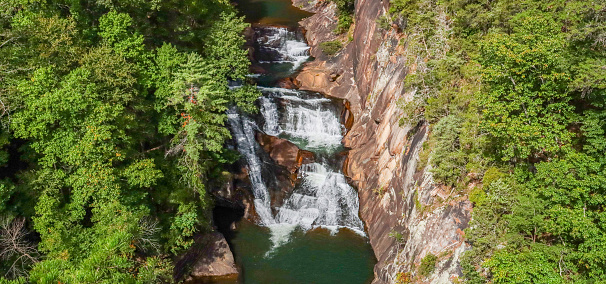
(285, 46)
(243, 132)
(269, 110)
(322, 198)
(308, 120)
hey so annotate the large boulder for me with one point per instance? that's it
(284, 152)
(235, 192)
(210, 257)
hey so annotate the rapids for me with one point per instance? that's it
(315, 235)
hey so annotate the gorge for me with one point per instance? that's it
(312, 232)
(312, 141)
(380, 160)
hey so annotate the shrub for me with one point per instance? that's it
(447, 160)
(345, 11)
(403, 278)
(384, 22)
(399, 237)
(330, 48)
(428, 264)
(345, 21)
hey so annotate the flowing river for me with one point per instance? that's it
(315, 235)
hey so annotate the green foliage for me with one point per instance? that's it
(427, 265)
(121, 113)
(331, 48)
(477, 196)
(345, 11)
(384, 22)
(527, 108)
(533, 266)
(398, 237)
(447, 159)
(515, 85)
(403, 278)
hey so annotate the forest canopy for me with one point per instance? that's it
(515, 92)
(113, 126)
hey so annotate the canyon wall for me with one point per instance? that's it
(407, 216)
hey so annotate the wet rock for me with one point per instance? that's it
(288, 83)
(256, 69)
(284, 152)
(347, 116)
(313, 79)
(209, 257)
(235, 192)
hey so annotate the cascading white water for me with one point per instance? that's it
(288, 47)
(269, 110)
(323, 198)
(243, 132)
(317, 127)
(309, 120)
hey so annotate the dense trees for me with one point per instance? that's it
(525, 80)
(113, 124)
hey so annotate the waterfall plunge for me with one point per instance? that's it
(323, 198)
(284, 45)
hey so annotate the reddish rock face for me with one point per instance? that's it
(369, 74)
(288, 83)
(284, 152)
(256, 69)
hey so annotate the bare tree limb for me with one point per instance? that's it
(15, 249)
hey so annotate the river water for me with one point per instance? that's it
(315, 235)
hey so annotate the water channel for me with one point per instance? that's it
(315, 235)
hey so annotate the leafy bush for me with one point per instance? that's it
(403, 278)
(384, 22)
(399, 237)
(345, 21)
(447, 159)
(428, 264)
(345, 11)
(331, 48)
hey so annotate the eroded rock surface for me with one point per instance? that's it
(211, 258)
(284, 152)
(395, 196)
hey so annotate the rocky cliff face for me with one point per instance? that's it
(406, 214)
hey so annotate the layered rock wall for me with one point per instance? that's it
(406, 215)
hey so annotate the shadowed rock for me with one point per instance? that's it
(211, 257)
(284, 152)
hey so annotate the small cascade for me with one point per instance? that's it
(322, 198)
(269, 110)
(308, 120)
(317, 127)
(280, 45)
(242, 129)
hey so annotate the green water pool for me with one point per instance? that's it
(313, 257)
(271, 12)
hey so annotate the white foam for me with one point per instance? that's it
(243, 131)
(269, 110)
(285, 42)
(323, 198)
(279, 235)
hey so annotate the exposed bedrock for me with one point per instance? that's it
(285, 153)
(396, 198)
(210, 257)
